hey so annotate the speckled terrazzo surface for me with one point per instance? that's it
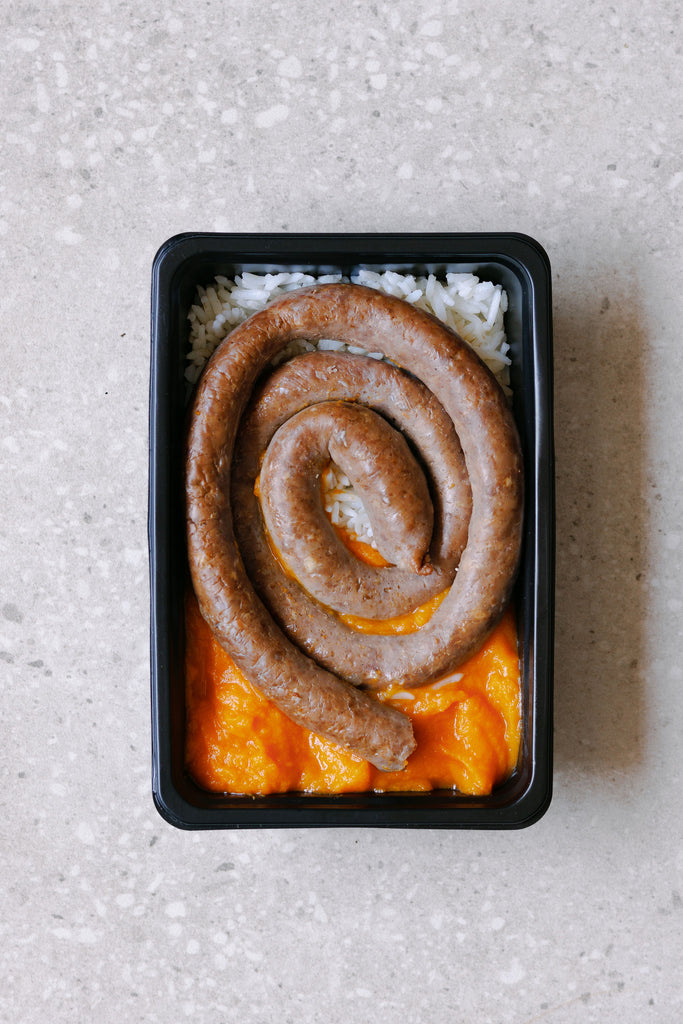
(125, 124)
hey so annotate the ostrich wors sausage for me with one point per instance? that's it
(298, 652)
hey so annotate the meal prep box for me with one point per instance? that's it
(521, 266)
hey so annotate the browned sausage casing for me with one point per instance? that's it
(295, 650)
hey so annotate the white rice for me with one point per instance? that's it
(473, 308)
(344, 507)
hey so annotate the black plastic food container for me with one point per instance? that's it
(521, 266)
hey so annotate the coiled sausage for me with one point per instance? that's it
(294, 648)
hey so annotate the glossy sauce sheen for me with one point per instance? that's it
(467, 727)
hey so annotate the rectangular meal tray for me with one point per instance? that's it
(521, 266)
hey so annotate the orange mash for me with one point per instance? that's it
(467, 725)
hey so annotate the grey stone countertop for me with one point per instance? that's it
(123, 124)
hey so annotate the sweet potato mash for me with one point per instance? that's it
(467, 727)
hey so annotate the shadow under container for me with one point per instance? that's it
(520, 265)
